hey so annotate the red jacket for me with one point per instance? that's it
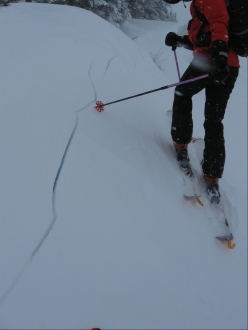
(215, 12)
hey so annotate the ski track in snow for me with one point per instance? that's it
(50, 227)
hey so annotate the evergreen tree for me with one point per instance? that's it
(118, 11)
(137, 8)
(114, 11)
(4, 3)
(153, 9)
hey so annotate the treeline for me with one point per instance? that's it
(118, 11)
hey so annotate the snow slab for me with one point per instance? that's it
(95, 231)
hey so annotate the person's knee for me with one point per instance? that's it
(178, 93)
(180, 96)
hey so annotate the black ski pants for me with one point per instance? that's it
(215, 106)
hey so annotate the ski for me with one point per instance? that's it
(190, 188)
(218, 210)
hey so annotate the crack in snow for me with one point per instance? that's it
(109, 64)
(20, 273)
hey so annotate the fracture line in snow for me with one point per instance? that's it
(60, 169)
(109, 64)
(54, 188)
(54, 193)
(14, 282)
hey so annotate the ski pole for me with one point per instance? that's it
(178, 72)
(100, 106)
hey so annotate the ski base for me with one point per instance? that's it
(225, 238)
(194, 198)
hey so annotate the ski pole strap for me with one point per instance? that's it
(100, 106)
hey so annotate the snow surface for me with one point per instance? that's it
(95, 231)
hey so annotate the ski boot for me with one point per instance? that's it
(213, 190)
(183, 159)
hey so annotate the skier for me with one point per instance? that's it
(208, 38)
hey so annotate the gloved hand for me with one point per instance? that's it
(220, 69)
(172, 39)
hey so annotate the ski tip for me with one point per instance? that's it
(99, 107)
(227, 239)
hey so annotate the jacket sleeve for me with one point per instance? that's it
(217, 16)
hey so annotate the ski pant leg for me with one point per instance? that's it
(215, 106)
(182, 124)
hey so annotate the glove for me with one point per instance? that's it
(172, 39)
(220, 69)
